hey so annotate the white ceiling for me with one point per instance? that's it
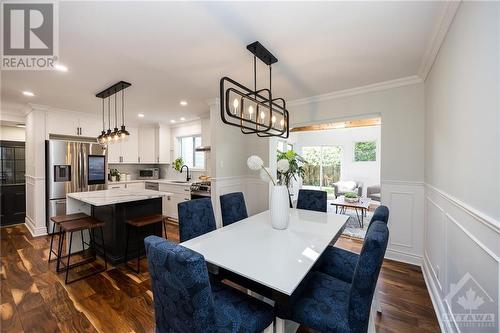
(171, 51)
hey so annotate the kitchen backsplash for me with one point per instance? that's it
(166, 171)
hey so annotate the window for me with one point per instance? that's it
(323, 166)
(284, 146)
(365, 151)
(193, 159)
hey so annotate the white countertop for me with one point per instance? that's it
(278, 259)
(115, 196)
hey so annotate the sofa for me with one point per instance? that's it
(373, 192)
(342, 187)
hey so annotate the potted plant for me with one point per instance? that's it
(295, 169)
(351, 197)
(178, 163)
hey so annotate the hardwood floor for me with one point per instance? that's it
(35, 299)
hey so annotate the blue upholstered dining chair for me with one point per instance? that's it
(196, 217)
(327, 304)
(233, 208)
(312, 200)
(341, 263)
(186, 301)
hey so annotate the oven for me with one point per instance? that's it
(200, 190)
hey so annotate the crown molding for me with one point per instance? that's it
(440, 31)
(405, 81)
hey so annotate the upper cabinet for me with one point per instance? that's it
(147, 145)
(73, 123)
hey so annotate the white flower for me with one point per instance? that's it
(265, 175)
(254, 162)
(283, 166)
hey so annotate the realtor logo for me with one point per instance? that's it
(472, 308)
(29, 31)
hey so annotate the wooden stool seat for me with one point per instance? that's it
(146, 220)
(81, 224)
(57, 221)
(69, 217)
(136, 225)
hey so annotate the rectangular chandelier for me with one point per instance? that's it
(254, 111)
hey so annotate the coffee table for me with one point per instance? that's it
(361, 205)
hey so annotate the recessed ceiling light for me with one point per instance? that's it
(172, 121)
(140, 115)
(60, 68)
(183, 103)
(182, 118)
(28, 93)
(21, 125)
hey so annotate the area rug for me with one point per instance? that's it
(352, 228)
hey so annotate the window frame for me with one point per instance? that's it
(193, 139)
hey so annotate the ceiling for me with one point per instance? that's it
(172, 51)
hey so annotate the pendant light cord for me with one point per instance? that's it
(109, 114)
(123, 114)
(115, 110)
(103, 124)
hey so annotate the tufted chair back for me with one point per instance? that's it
(183, 300)
(365, 276)
(312, 200)
(233, 208)
(380, 214)
(196, 217)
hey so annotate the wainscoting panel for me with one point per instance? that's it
(406, 205)
(256, 193)
(35, 205)
(462, 253)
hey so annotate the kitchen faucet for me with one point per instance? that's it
(187, 172)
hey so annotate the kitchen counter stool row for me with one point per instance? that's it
(79, 222)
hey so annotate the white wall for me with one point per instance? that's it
(366, 172)
(230, 151)
(402, 111)
(462, 233)
(11, 133)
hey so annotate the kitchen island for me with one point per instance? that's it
(114, 207)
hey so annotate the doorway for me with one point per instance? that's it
(12, 182)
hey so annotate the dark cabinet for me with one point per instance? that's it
(12, 183)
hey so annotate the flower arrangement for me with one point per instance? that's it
(178, 163)
(256, 163)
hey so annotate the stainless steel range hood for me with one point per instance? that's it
(202, 148)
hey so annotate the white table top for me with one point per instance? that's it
(115, 196)
(278, 259)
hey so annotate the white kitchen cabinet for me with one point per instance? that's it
(130, 147)
(116, 186)
(124, 151)
(181, 193)
(163, 144)
(138, 186)
(147, 145)
(73, 123)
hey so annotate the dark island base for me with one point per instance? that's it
(115, 228)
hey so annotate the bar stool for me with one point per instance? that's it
(89, 224)
(137, 224)
(57, 220)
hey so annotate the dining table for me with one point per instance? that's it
(268, 261)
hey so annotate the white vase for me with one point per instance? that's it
(280, 207)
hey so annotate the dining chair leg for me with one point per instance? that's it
(280, 325)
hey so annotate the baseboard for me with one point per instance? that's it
(35, 232)
(407, 258)
(437, 304)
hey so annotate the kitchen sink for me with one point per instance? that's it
(178, 181)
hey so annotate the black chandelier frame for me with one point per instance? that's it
(262, 99)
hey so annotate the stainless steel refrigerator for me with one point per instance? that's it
(71, 166)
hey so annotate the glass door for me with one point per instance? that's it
(323, 167)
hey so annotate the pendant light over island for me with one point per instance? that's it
(116, 134)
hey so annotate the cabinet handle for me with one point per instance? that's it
(139, 159)
(186, 189)
(187, 199)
